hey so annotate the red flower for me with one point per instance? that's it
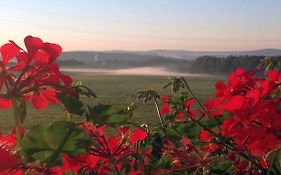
(180, 116)
(205, 136)
(165, 109)
(165, 99)
(254, 115)
(9, 160)
(8, 51)
(274, 76)
(188, 105)
(138, 135)
(221, 87)
(38, 73)
(71, 164)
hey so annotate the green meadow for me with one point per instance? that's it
(115, 89)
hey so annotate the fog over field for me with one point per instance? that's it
(160, 71)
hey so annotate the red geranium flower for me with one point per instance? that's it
(38, 76)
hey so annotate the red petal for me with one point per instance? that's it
(113, 143)
(205, 136)
(100, 130)
(274, 75)
(67, 80)
(39, 101)
(10, 139)
(56, 171)
(254, 95)
(53, 50)
(235, 103)
(5, 103)
(41, 56)
(22, 56)
(220, 85)
(8, 160)
(138, 135)
(92, 161)
(18, 67)
(70, 164)
(8, 51)
(165, 109)
(50, 95)
(33, 44)
(165, 99)
(189, 103)
(180, 116)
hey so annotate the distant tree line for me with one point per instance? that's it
(216, 65)
(203, 64)
(119, 63)
(70, 63)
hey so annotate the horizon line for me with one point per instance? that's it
(148, 50)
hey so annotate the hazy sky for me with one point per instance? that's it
(145, 24)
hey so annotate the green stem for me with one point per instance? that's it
(68, 116)
(17, 120)
(116, 169)
(193, 96)
(203, 126)
(158, 112)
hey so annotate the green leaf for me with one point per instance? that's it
(175, 83)
(148, 95)
(276, 93)
(84, 90)
(47, 143)
(165, 161)
(217, 121)
(107, 114)
(189, 129)
(274, 157)
(173, 134)
(71, 104)
(222, 166)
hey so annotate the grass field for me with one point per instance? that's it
(115, 89)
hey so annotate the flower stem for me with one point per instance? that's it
(158, 112)
(17, 120)
(116, 169)
(193, 96)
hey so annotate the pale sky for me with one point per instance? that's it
(209, 25)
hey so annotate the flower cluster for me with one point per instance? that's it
(31, 75)
(110, 153)
(9, 160)
(255, 118)
(178, 107)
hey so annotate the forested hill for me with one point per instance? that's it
(210, 64)
(215, 65)
(119, 60)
